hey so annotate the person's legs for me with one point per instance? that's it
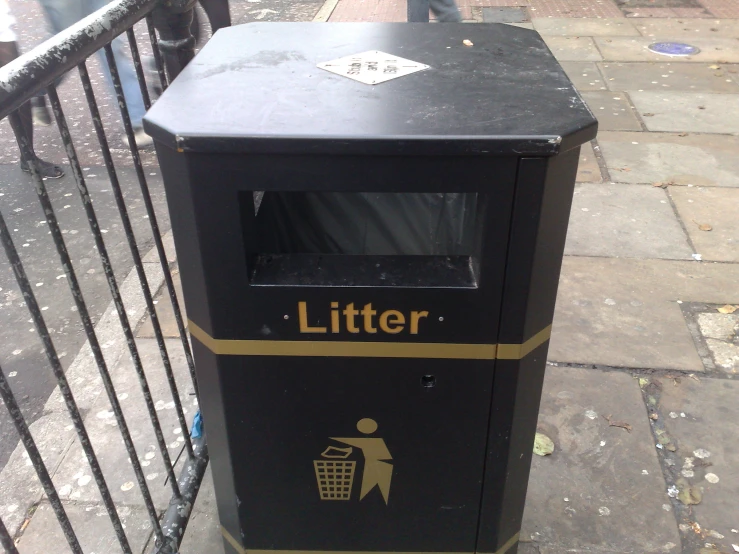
(128, 78)
(218, 13)
(60, 14)
(446, 11)
(8, 52)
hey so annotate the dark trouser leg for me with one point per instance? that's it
(218, 13)
(8, 52)
(446, 11)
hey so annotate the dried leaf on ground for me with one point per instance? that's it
(543, 445)
(616, 423)
(648, 114)
(728, 309)
(703, 226)
(689, 494)
(653, 416)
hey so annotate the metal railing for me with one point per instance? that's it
(168, 24)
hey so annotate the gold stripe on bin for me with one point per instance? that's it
(230, 540)
(518, 351)
(354, 349)
(240, 550)
(510, 543)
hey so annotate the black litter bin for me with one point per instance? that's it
(369, 221)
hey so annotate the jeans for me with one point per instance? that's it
(64, 13)
(446, 11)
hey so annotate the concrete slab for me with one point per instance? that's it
(588, 170)
(716, 207)
(71, 477)
(733, 71)
(92, 526)
(584, 75)
(573, 49)
(613, 110)
(707, 160)
(625, 222)
(706, 436)
(602, 489)
(165, 312)
(504, 15)
(572, 27)
(203, 534)
(687, 29)
(688, 77)
(687, 112)
(624, 312)
(627, 49)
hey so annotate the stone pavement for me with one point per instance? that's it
(640, 397)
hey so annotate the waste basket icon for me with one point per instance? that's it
(335, 474)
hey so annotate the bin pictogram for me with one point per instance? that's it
(335, 474)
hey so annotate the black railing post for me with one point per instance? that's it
(172, 19)
(418, 11)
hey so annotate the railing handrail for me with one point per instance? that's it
(33, 71)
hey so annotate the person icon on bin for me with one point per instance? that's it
(377, 471)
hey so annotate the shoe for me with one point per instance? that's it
(40, 112)
(142, 139)
(48, 170)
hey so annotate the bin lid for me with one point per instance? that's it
(489, 89)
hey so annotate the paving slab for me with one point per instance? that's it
(573, 49)
(716, 207)
(708, 160)
(72, 477)
(624, 312)
(613, 110)
(707, 438)
(626, 222)
(686, 29)
(504, 15)
(688, 112)
(573, 27)
(584, 75)
(602, 489)
(588, 170)
(688, 77)
(721, 334)
(722, 8)
(165, 312)
(574, 8)
(733, 71)
(92, 526)
(203, 532)
(628, 49)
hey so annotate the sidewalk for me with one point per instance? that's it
(640, 397)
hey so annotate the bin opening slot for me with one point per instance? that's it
(361, 239)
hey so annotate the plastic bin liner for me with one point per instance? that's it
(366, 223)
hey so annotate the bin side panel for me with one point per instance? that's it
(311, 477)
(538, 231)
(182, 199)
(216, 431)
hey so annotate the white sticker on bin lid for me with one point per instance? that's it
(372, 67)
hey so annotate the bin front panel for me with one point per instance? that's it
(357, 454)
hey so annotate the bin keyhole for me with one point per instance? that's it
(428, 381)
